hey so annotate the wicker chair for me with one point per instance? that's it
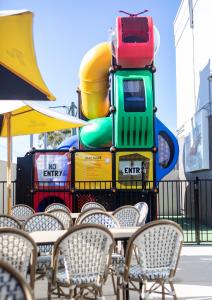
(143, 209)
(109, 221)
(63, 216)
(22, 211)
(87, 252)
(100, 217)
(19, 250)
(9, 221)
(43, 222)
(155, 248)
(54, 206)
(91, 205)
(86, 212)
(127, 216)
(12, 284)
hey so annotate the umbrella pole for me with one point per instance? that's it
(9, 143)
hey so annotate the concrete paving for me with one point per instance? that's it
(193, 280)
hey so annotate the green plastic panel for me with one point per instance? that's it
(133, 129)
(98, 134)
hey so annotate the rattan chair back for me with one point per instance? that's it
(12, 284)
(19, 250)
(143, 209)
(43, 222)
(54, 206)
(91, 205)
(63, 216)
(86, 212)
(100, 217)
(21, 210)
(87, 252)
(158, 245)
(9, 221)
(127, 216)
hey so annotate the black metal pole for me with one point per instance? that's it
(196, 210)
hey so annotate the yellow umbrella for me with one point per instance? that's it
(20, 77)
(27, 117)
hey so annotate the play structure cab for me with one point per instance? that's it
(135, 35)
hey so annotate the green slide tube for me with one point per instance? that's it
(97, 134)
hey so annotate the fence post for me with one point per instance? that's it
(196, 210)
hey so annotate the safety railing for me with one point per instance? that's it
(189, 203)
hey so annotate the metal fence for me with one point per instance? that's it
(3, 195)
(189, 203)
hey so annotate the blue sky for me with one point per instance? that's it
(64, 30)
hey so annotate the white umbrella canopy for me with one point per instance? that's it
(27, 117)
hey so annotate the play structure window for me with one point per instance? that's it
(134, 96)
(135, 30)
(165, 150)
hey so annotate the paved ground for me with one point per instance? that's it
(193, 279)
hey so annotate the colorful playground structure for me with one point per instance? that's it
(125, 146)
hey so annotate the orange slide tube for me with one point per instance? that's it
(94, 71)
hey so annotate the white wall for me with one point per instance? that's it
(193, 42)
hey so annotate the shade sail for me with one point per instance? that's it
(20, 77)
(27, 117)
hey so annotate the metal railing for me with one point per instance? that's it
(189, 203)
(3, 195)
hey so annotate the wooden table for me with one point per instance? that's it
(50, 237)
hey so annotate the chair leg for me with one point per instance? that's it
(124, 291)
(163, 290)
(140, 288)
(114, 284)
(144, 290)
(118, 286)
(49, 290)
(100, 297)
(173, 290)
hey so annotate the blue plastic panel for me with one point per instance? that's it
(73, 141)
(162, 130)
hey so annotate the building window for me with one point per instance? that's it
(134, 96)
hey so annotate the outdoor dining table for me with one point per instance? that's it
(50, 237)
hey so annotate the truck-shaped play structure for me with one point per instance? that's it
(125, 149)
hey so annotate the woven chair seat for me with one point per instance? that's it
(63, 278)
(117, 259)
(136, 273)
(44, 263)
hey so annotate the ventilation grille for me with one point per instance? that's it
(134, 132)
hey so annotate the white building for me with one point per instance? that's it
(193, 42)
